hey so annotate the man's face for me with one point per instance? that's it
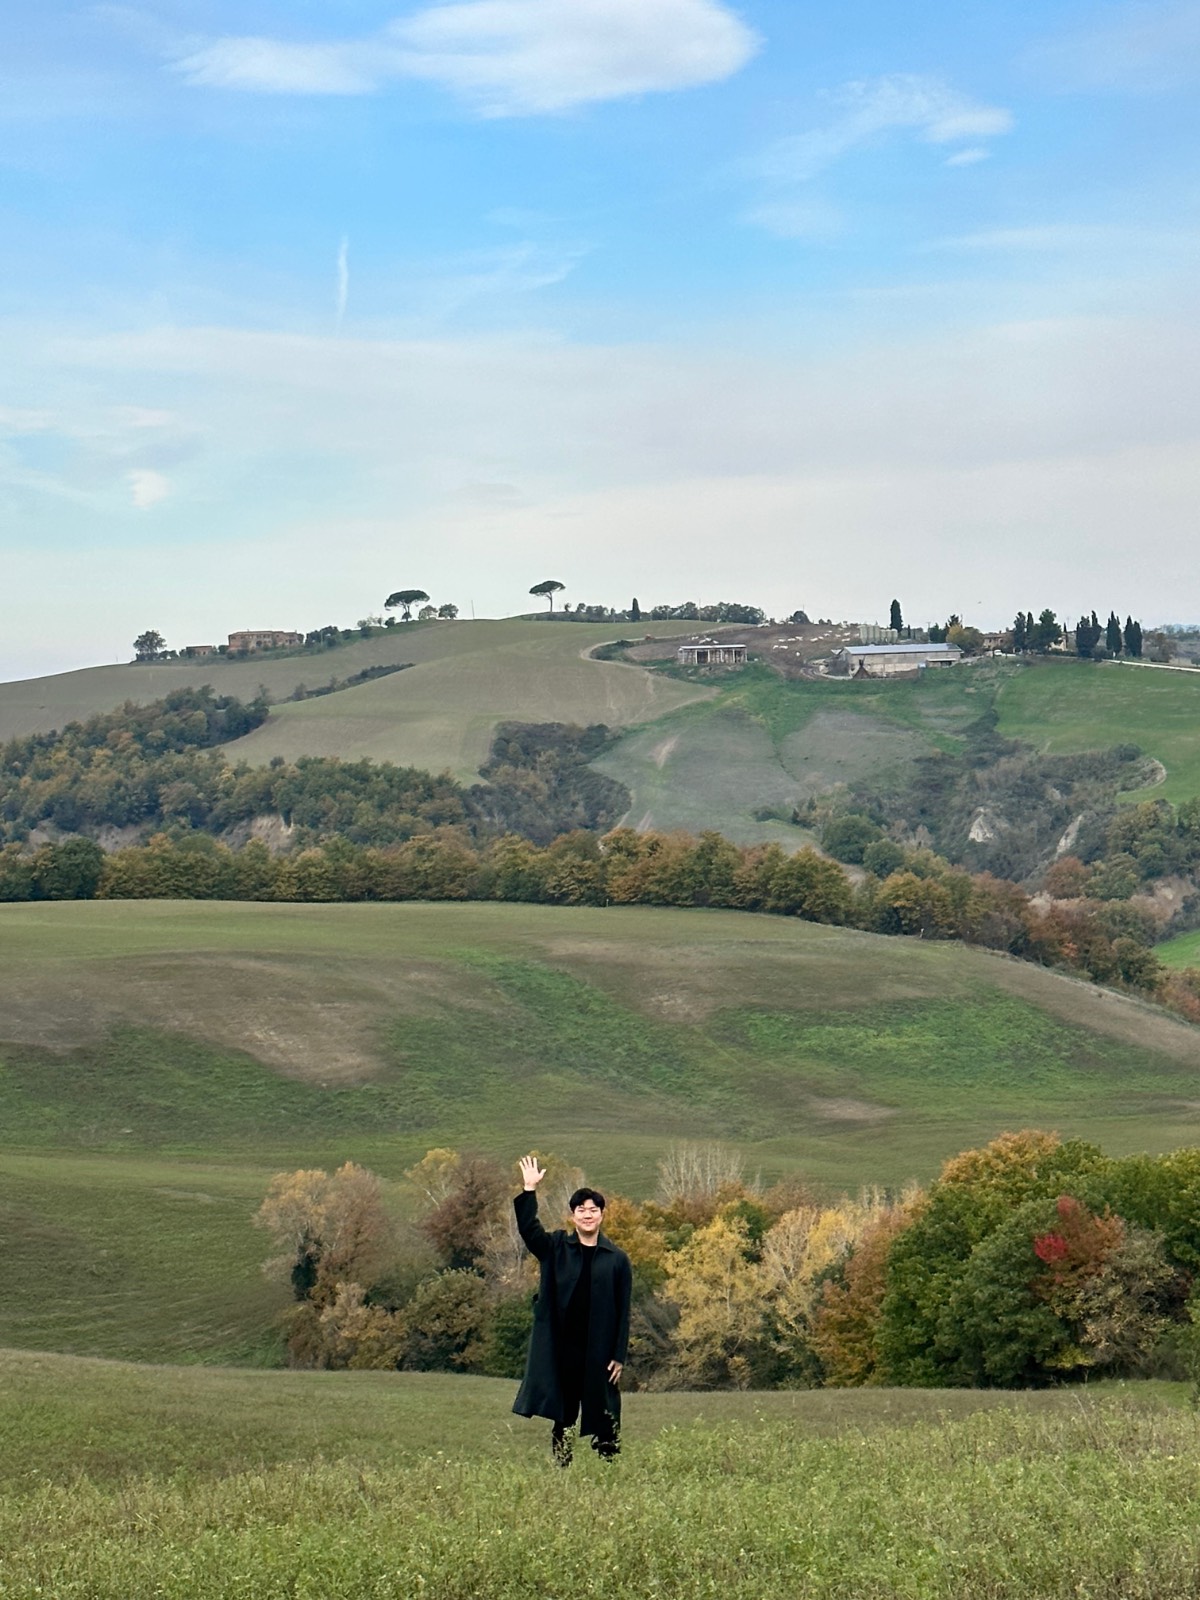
(587, 1217)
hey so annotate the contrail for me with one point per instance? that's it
(343, 278)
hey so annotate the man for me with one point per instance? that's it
(580, 1322)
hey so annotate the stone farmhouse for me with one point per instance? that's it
(263, 639)
(889, 660)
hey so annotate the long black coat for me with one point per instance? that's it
(560, 1253)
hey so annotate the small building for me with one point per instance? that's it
(709, 653)
(887, 660)
(194, 651)
(263, 639)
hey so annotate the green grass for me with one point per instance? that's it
(159, 1061)
(1069, 706)
(136, 1483)
(766, 742)
(1183, 951)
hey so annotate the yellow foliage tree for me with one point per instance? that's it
(718, 1293)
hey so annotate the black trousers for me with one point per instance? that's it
(606, 1439)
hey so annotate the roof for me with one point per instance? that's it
(900, 649)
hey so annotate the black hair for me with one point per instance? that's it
(581, 1195)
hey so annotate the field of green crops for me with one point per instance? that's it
(142, 1482)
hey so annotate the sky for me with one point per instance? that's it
(797, 305)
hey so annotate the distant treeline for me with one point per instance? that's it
(1030, 1261)
(728, 611)
(922, 895)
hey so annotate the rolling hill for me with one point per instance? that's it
(464, 678)
(160, 1060)
(762, 744)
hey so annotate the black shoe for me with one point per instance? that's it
(608, 1449)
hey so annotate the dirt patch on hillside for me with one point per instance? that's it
(312, 1020)
(861, 1112)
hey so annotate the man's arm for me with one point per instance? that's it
(537, 1240)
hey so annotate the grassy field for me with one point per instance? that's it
(1183, 951)
(1068, 706)
(464, 679)
(138, 1482)
(160, 1060)
(763, 743)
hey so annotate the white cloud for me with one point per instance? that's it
(1140, 47)
(343, 279)
(1062, 238)
(147, 487)
(272, 66)
(505, 57)
(968, 157)
(869, 113)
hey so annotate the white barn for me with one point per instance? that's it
(886, 660)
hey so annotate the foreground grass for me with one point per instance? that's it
(265, 1486)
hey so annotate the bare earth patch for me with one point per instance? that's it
(857, 1111)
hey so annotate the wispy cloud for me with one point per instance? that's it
(1075, 237)
(869, 113)
(505, 57)
(1141, 47)
(343, 278)
(146, 487)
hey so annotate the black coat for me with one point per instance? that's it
(560, 1254)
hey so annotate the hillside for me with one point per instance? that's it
(762, 744)
(160, 1060)
(465, 677)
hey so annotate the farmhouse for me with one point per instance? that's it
(264, 639)
(708, 653)
(886, 660)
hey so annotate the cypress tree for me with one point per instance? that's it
(1112, 634)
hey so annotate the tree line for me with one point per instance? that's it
(920, 895)
(157, 767)
(1030, 1261)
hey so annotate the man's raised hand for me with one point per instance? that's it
(531, 1173)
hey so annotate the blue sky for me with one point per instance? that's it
(303, 303)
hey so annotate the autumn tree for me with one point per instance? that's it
(845, 1327)
(718, 1293)
(327, 1230)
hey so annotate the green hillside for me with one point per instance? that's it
(464, 679)
(1068, 706)
(160, 1060)
(765, 744)
(1183, 951)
